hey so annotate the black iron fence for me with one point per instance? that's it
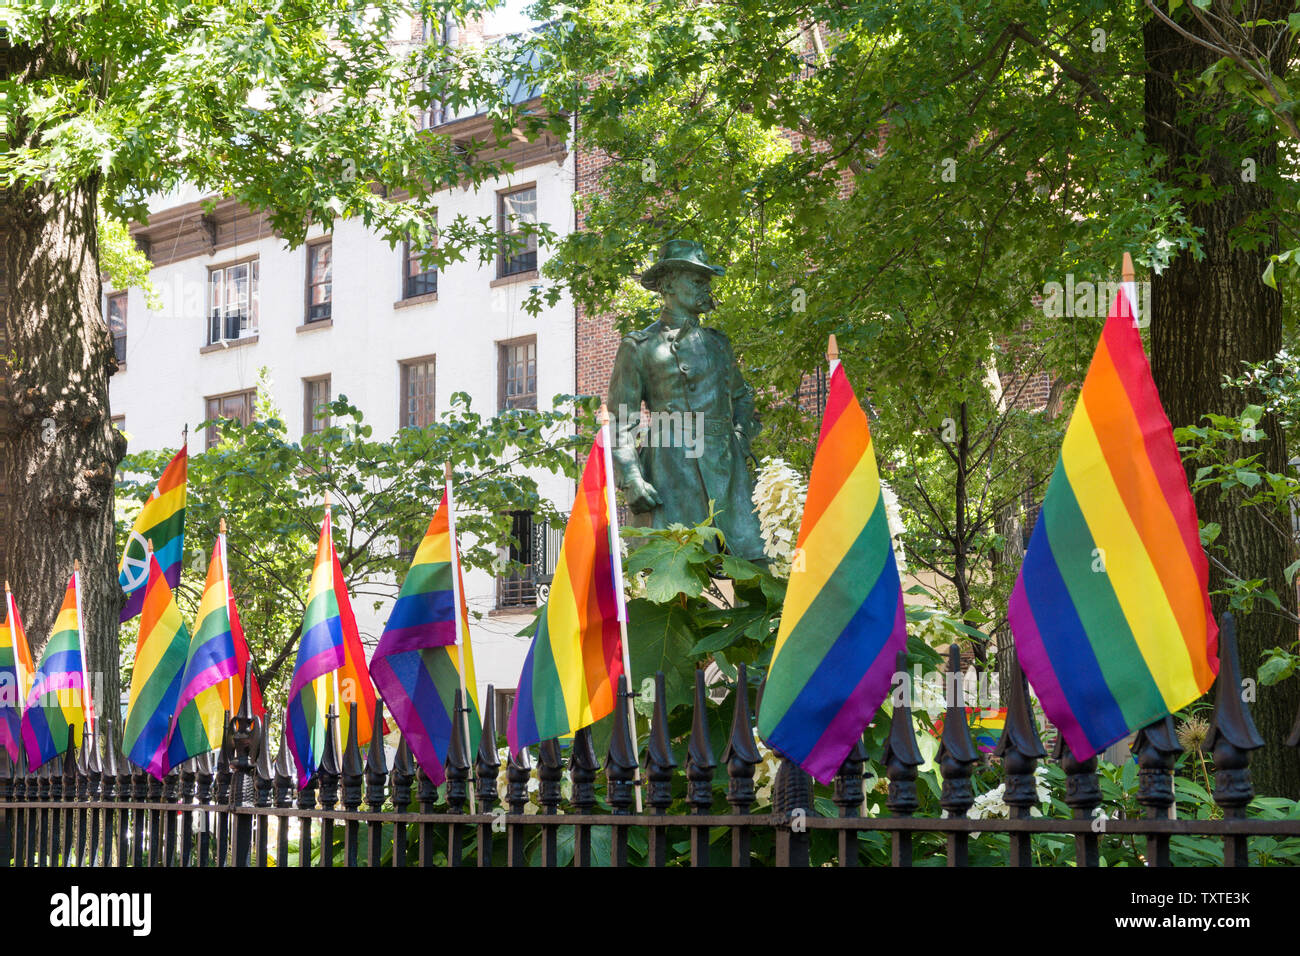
(241, 808)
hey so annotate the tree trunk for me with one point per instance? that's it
(58, 450)
(1210, 316)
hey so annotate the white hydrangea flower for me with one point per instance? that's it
(990, 804)
(765, 774)
(779, 495)
(993, 803)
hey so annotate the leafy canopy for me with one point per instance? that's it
(304, 108)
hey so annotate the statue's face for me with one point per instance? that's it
(689, 291)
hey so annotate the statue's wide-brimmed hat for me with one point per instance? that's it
(679, 254)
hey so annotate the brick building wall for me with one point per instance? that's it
(595, 338)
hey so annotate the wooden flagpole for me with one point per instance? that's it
(1128, 279)
(457, 618)
(225, 576)
(616, 559)
(334, 674)
(88, 702)
(10, 616)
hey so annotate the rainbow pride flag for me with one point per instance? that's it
(843, 623)
(1110, 613)
(329, 643)
(354, 683)
(160, 655)
(417, 663)
(16, 676)
(161, 523)
(59, 697)
(572, 669)
(214, 666)
(985, 726)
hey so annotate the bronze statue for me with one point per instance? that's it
(701, 413)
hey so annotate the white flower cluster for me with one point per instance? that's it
(993, 802)
(937, 631)
(930, 695)
(779, 494)
(534, 784)
(765, 775)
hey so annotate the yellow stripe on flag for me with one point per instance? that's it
(1127, 564)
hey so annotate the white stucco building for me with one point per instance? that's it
(347, 314)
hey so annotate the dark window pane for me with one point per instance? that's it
(416, 279)
(519, 589)
(320, 281)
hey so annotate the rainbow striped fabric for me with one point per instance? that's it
(416, 665)
(985, 726)
(1110, 613)
(843, 622)
(572, 669)
(212, 664)
(161, 523)
(329, 643)
(16, 675)
(58, 698)
(160, 656)
(355, 685)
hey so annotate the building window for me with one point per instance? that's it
(315, 399)
(518, 250)
(518, 589)
(517, 374)
(237, 406)
(417, 393)
(416, 279)
(117, 324)
(232, 302)
(505, 697)
(320, 280)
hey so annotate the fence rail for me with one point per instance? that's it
(241, 808)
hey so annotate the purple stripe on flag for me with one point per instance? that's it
(1036, 664)
(134, 605)
(407, 716)
(316, 666)
(417, 638)
(208, 677)
(825, 759)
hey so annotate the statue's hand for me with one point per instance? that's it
(641, 496)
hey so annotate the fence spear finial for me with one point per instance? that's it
(957, 754)
(621, 762)
(1233, 734)
(741, 755)
(700, 762)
